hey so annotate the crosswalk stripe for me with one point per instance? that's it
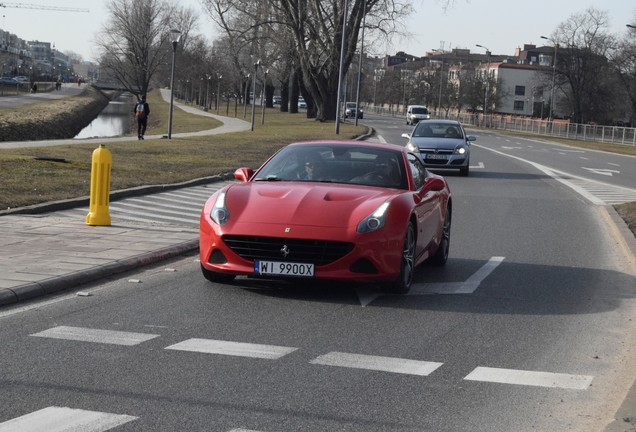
(530, 378)
(95, 335)
(240, 349)
(63, 419)
(385, 364)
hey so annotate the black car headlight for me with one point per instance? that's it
(374, 221)
(219, 213)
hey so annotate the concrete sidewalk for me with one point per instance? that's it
(42, 253)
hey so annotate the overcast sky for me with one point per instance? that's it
(500, 25)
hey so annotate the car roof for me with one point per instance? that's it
(354, 143)
(439, 121)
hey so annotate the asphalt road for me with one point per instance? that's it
(528, 328)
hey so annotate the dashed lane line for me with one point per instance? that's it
(95, 335)
(63, 419)
(530, 378)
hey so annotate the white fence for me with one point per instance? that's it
(556, 128)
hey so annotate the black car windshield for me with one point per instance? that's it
(336, 163)
(437, 130)
(419, 111)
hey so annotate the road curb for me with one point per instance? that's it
(55, 284)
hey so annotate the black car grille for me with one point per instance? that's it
(318, 252)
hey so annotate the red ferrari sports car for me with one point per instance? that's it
(332, 210)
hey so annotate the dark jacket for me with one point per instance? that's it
(146, 108)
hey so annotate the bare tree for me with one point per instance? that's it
(584, 45)
(624, 60)
(135, 44)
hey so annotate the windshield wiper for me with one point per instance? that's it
(270, 177)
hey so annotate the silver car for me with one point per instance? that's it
(441, 144)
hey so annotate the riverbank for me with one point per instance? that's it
(57, 119)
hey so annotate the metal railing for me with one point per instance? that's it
(557, 128)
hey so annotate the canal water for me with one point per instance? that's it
(114, 120)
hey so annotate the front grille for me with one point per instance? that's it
(318, 252)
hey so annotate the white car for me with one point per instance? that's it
(415, 113)
(351, 110)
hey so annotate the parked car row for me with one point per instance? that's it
(14, 80)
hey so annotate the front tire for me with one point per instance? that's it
(464, 171)
(441, 255)
(216, 277)
(402, 284)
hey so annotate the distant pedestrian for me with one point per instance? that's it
(141, 111)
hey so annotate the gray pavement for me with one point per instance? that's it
(44, 252)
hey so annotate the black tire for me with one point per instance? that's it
(216, 276)
(402, 284)
(464, 171)
(441, 255)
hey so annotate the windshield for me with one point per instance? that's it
(419, 111)
(437, 130)
(336, 163)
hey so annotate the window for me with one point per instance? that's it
(518, 105)
(417, 170)
(520, 90)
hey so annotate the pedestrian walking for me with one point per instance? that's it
(141, 112)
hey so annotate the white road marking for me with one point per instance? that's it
(480, 165)
(614, 164)
(381, 138)
(530, 378)
(95, 335)
(510, 148)
(469, 286)
(240, 349)
(62, 419)
(384, 364)
(602, 171)
(581, 185)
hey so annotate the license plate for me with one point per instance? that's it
(436, 156)
(280, 268)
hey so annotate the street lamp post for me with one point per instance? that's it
(364, 16)
(345, 12)
(218, 91)
(263, 98)
(207, 93)
(487, 78)
(404, 74)
(256, 65)
(247, 95)
(441, 76)
(175, 35)
(556, 46)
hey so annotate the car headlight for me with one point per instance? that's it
(374, 221)
(411, 147)
(460, 150)
(219, 213)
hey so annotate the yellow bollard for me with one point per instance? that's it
(100, 187)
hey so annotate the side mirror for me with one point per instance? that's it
(434, 184)
(407, 136)
(471, 138)
(243, 174)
